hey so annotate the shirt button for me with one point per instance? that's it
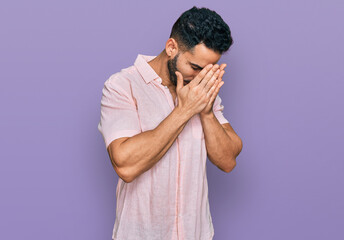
(159, 80)
(165, 86)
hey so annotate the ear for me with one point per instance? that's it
(171, 48)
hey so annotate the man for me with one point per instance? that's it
(160, 119)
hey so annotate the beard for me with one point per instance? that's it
(172, 67)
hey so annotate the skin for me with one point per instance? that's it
(196, 89)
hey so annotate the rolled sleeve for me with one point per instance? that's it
(118, 112)
(218, 110)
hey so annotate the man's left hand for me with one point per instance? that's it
(217, 85)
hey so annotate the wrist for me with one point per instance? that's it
(209, 115)
(182, 114)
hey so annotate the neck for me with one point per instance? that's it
(159, 65)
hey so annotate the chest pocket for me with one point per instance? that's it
(197, 129)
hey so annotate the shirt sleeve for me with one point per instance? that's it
(118, 112)
(218, 110)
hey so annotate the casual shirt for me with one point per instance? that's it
(170, 200)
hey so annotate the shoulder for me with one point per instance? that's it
(124, 77)
(122, 80)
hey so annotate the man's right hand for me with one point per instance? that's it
(194, 97)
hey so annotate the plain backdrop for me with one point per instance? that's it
(283, 95)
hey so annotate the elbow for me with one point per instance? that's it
(231, 160)
(125, 174)
(240, 146)
(123, 171)
(237, 151)
(119, 161)
(230, 166)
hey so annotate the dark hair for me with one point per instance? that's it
(202, 25)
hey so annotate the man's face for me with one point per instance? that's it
(190, 63)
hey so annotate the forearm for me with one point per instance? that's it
(142, 151)
(222, 147)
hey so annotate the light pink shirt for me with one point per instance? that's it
(170, 200)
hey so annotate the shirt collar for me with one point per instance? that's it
(146, 71)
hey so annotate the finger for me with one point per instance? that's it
(221, 74)
(223, 65)
(216, 81)
(215, 86)
(200, 75)
(219, 86)
(216, 91)
(212, 81)
(211, 92)
(208, 76)
(180, 81)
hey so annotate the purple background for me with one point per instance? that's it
(283, 95)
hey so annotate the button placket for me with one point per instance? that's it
(167, 93)
(170, 101)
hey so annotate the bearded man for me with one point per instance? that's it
(160, 119)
